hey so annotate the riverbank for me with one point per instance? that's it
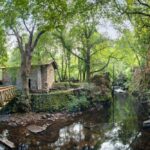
(70, 99)
(20, 127)
(90, 129)
(24, 119)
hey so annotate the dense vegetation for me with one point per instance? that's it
(84, 37)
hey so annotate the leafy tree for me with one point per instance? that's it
(138, 12)
(28, 21)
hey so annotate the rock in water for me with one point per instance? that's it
(7, 143)
(146, 124)
(36, 129)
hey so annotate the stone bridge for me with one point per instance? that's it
(7, 93)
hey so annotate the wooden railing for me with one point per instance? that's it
(7, 93)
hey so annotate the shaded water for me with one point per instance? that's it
(94, 130)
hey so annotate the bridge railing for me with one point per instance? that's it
(7, 93)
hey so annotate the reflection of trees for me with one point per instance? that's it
(71, 133)
(77, 136)
(126, 117)
(93, 131)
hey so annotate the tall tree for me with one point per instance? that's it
(28, 21)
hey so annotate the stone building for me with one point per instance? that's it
(41, 77)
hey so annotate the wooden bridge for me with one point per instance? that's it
(7, 93)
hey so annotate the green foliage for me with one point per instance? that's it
(3, 52)
(14, 60)
(125, 115)
(67, 85)
(50, 102)
(125, 111)
(130, 2)
(58, 101)
(77, 103)
(73, 38)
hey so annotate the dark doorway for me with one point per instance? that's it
(30, 84)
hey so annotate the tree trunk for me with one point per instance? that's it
(62, 68)
(84, 75)
(88, 68)
(26, 50)
(25, 74)
(79, 70)
(68, 65)
(65, 70)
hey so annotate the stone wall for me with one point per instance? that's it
(41, 77)
(70, 100)
(44, 78)
(34, 78)
(50, 101)
(50, 75)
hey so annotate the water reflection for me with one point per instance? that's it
(92, 131)
(113, 142)
(79, 137)
(74, 136)
(74, 132)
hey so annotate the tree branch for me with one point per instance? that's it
(144, 4)
(99, 50)
(61, 38)
(133, 12)
(108, 61)
(138, 13)
(77, 56)
(19, 38)
(31, 36)
(26, 26)
(135, 52)
(33, 27)
(9, 34)
(37, 39)
(102, 67)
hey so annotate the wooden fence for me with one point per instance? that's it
(7, 93)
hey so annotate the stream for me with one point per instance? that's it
(107, 129)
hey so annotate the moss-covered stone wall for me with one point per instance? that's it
(68, 100)
(49, 101)
(72, 100)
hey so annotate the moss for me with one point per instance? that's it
(66, 100)
(58, 101)
(69, 100)
(66, 85)
(55, 101)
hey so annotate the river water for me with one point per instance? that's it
(108, 129)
